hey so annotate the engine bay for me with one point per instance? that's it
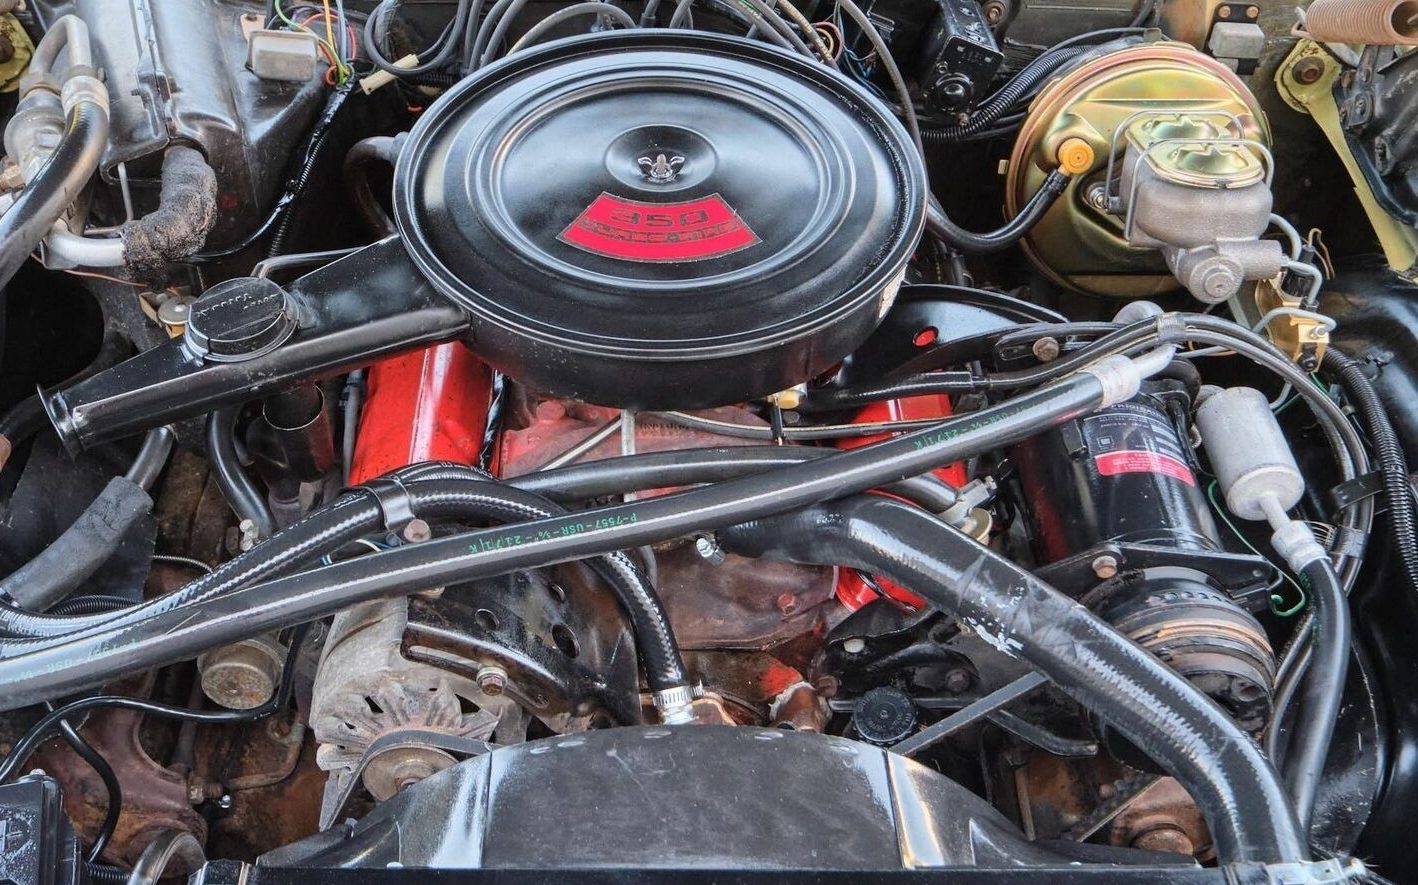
(710, 440)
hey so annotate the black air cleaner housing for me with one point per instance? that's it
(644, 219)
(661, 220)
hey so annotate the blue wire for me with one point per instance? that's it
(345, 47)
(854, 63)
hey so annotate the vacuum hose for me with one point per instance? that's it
(941, 227)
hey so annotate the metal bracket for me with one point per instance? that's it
(980, 709)
(341, 786)
(395, 502)
(1351, 492)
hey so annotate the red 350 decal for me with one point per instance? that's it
(630, 230)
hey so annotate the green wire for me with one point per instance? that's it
(341, 66)
(1275, 599)
(281, 14)
(1315, 379)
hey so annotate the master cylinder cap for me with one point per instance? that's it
(660, 219)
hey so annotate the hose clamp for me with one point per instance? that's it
(1171, 328)
(676, 704)
(396, 504)
(675, 696)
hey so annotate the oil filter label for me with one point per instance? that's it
(630, 230)
(1129, 439)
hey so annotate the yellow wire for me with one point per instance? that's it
(330, 38)
(337, 64)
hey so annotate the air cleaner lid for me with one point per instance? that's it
(660, 195)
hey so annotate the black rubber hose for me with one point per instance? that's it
(1024, 84)
(1132, 690)
(1388, 453)
(1322, 693)
(834, 399)
(796, 433)
(152, 457)
(114, 790)
(27, 417)
(363, 153)
(957, 237)
(654, 637)
(41, 202)
(242, 496)
(202, 615)
(91, 604)
(301, 544)
(347, 518)
(73, 557)
(20, 422)
(1119, 341)
(101, 874)
(684, 467)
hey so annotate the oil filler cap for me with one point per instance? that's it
(239, 320)
(661, 220)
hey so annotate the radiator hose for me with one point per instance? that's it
(1157, 709)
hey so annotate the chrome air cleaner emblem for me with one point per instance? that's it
(662, 169)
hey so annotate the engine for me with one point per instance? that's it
(917, 439)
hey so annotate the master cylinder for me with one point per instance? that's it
(1173, 188)
(1197, 190)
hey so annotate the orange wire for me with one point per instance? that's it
(103, 276)
(327, 49)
